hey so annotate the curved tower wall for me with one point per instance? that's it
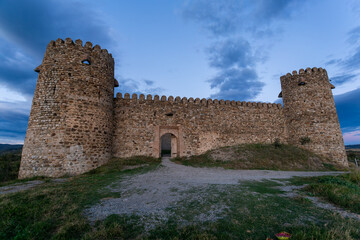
(71, 120)
(309, 112)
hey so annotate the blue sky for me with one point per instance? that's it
(231, 49)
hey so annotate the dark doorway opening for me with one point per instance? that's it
(166, 145)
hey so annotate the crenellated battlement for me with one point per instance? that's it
(78, 44)
(307, 72)
(197, 101)
(88, 50)
(76, 124)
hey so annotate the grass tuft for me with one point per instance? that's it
(260, 156)
(55, 210)
(342, 190)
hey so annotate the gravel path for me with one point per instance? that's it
(154, 192)
(19, 187)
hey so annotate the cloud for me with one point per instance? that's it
(16, 70)
(231, 53)
(149, 82)
(227, 17)
(14, 118)
(236, 84)
(353, 62)
(233, 24)
(338, 80)
(32, 24)
(129, 85)
(333, 61)
(352, 137)
(26, 27)
(354, 35)
(348, 109)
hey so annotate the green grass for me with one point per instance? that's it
(343, 190)
(251, 210)
(54, 211)
(9, 166)
(254, 210)
(260, 156)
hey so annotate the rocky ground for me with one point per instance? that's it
(154, 194)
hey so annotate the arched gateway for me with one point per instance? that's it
(168, 138)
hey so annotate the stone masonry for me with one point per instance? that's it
(76, 124)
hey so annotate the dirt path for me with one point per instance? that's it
(17, 187)
(22, 186)
(154, 192)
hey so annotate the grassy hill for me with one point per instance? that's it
(10, 156)
(355, 146)
(260, 156)
(10, 148)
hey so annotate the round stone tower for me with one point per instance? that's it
(71, 120)
(310, 114)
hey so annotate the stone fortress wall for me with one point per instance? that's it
(201, 124)
(71, 119)
(76, 124)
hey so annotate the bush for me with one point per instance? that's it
(9, 166)
(277, 143)
(304, 140)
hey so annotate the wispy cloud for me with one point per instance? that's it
(348, 109)
(233, 25)
(13, 121)
(354, 35)
(231, 53)
(338, 80)
(129, 85)
(32, 24)
(16, 69)
(350, 64)
(352, 137)
(26, 27)
(236, 84)
(353, 61)
(226, 17)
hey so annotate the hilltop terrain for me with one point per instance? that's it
(10, 148)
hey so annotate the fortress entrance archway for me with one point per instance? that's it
(168, 138)
(168, 145)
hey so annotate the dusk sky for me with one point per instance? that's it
(224, 49)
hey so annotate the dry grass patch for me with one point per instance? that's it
(260, 156)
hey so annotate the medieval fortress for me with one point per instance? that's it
(76, 124)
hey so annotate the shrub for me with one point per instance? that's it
(304, 140)
(277, 143)
(9, 166)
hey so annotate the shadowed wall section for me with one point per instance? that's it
(309, 111)
(71, 120)
(202, 124)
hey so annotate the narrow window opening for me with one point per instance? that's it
(86, 62)
(169, 114)
(301, 83)
(54, 89)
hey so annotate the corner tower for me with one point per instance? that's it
(310, 114)
(71, 119)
